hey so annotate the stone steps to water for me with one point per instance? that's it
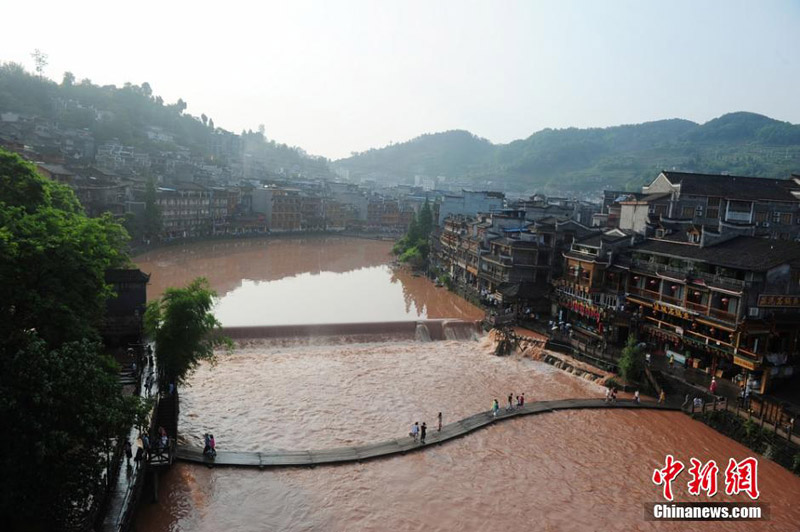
(403, 445)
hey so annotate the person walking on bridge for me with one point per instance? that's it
(440, 422)
(415, 430)
(495, 407)
(510, 401)
(423, 431)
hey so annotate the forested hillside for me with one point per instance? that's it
(592, 159)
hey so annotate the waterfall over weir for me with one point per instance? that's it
(422, 334)
(419, 330)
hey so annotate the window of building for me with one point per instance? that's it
(713, 208)
(761, 216)
(687, 212)
(786, 218)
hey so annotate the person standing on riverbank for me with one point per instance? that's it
(128, 452)
(662, 397)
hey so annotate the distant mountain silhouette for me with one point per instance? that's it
(591, 159)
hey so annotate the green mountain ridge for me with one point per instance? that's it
(591, 159)
(550, 160)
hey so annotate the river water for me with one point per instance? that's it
(299, 281)
(568, 470)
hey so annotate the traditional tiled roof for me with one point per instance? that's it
(126, 276)
(741, 252)
(734, 187)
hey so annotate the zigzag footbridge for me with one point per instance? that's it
(399, 445)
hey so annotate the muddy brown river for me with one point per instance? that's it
(567, 470)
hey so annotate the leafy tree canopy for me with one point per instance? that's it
(184, 329)
(55, 255)
(61, 409)
(631, 361)
(60, 398)
(413, 247)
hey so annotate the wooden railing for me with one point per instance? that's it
(781, 429)
(722, 314)
(699, 307)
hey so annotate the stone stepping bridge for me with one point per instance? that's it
(403, 445)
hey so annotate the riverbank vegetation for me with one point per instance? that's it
(414, 247)
(631, 361)
(184, 329)
(60, 399)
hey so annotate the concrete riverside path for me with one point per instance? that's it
(403, 445)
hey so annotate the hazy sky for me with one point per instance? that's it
(341, 76)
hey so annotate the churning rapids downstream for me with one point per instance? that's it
(569, 470)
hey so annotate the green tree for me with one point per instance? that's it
(413, 247)
(60, 398)
(56, 256)
(425, 220)
(631, 361)
(62, 409)
(184, 329)
(40, 61)
(69, 79)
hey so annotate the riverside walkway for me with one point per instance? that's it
(400, 445)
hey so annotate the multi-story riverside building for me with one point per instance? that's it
(590, 293)
(770, 206)
(728, 305)
(185, 210)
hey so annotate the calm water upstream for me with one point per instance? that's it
(296, 281)
(569, 470)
